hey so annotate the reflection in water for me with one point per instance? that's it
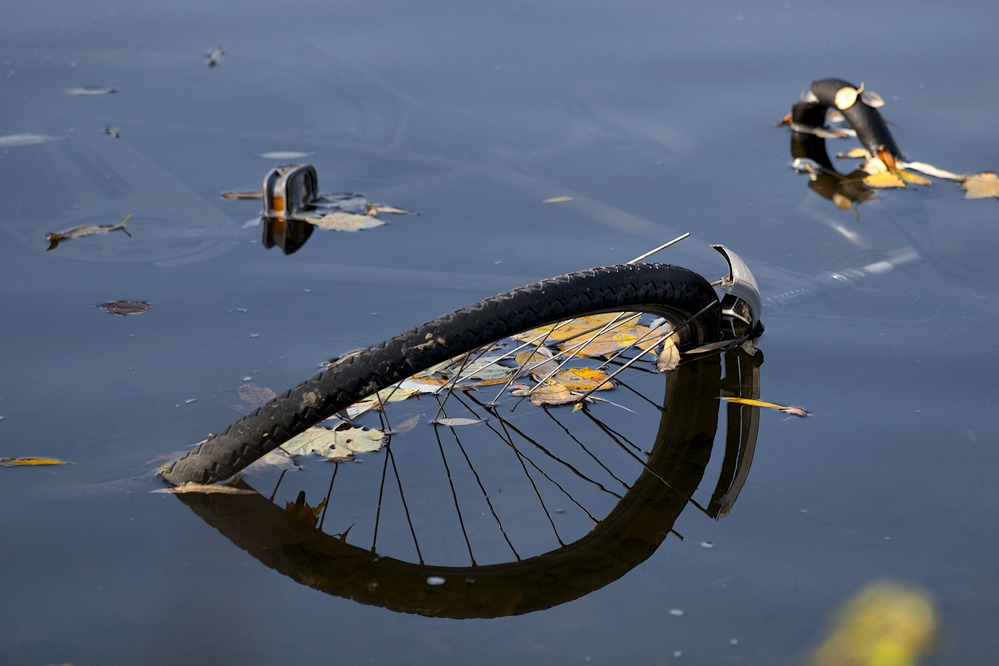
(632, 530)
(289, 235)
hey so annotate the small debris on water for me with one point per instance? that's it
(435, 580)
(677, 654)
(254, 335)
(189, 401)
(707, 544)
(676, 611)
(247, 379)
(125, 307)
(733, 641)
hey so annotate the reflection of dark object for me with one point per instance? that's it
(866, 120)
(677, 294)
(629, 535)
(125, 307)
(288, 234)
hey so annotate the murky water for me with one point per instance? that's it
(656, 120)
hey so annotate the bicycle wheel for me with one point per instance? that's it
(681, 298)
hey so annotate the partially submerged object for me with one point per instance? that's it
(821, 113)
(86, 230)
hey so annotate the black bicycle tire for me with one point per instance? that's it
(673, 292)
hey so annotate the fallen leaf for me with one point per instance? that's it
(405, 426)
(980, 186)
(374, 209)
(793, 411)
(583, 379)
(574, 327)
(284, 155)
(557, 200)
(391, 394)
(549, 393)
(669, 357)
(253, 396)
(847, 96)
(243, 195)
(424, 384)
(207, 489)
(485, 368)
(280, 459)
(87, 230)
(88, 91)
(454, 423)
(883, 179)
(914, 179)
(113, 132)
(343, 221)
(613, 340)
(537, 361)
(335, 443)
(931, 170)
(15, 140)
(871, 98)
(125, 307)
(19, 462)
(854, 153)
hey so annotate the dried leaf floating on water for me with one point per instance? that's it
(86, 230)
(980, 186)
(15, 140)
(125, 307)
(29, 462)
(343, 221)
(583, 379)
(793, 411)
(338, 443)
(455, 423)
(206, 489)
(549, 393)
(242, 195)
(88, 91)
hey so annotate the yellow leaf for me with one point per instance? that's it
(794, 411)
(612, 340)
(914, 179)
(981, 185)
(537, 361)
(549, 393)
(557, 200)
(17, 462)
(883, 179)
(583, 379)
(573, 327)
(335, 443)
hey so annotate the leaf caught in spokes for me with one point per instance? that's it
(29, 462)
(793, 411)
(338, 443)
(583, 379)
(549, 393)
(668, 357)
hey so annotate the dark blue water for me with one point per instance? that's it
(657, 120)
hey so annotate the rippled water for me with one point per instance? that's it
(656, 120)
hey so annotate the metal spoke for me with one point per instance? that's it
(402, 496)
(454, 495)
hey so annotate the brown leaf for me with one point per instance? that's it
(125, 307)
(207, 489)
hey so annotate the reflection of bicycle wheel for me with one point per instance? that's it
(680, 298)
(632, 529)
